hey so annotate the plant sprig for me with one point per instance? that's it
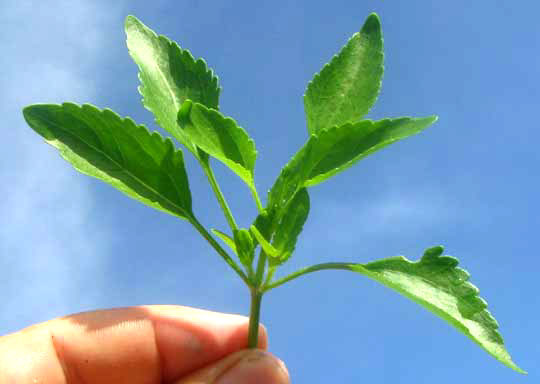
(183, 94)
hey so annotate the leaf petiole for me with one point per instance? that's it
(256, 198)
(270, 275)
(261, 264)
(202, 230)
(219, 195)
(303, 271)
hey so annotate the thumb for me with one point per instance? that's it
(249, 366)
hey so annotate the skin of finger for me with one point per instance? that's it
(243, 367)
(209, 374)
(149, 344)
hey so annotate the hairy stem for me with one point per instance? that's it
(254, 316)
(303, 271)
(202, 230)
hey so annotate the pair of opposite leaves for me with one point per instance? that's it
(183, 95)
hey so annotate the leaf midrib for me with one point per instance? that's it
(119, 165)
(175, 103)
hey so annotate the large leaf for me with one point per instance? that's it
(169, 75)
(438, 285)
(347, 87)
(333, 150)
(220, 137)
(99, 143)
(291, 225)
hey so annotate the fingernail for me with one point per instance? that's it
(256, 367)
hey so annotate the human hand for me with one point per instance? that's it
(148, 344)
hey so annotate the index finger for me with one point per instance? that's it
(147, 344)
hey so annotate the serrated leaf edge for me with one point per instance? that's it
(335, 58)
(236, 127)
(154, 136)
(206, 70)
(364, 269)
(328, 131)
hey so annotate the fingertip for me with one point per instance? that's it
(243, 367)
(257, 366)
(188, 339)
(262, 342)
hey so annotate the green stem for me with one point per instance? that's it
(270, 275)
(218, 248)
(261, 263)
(254, 316)
(303, 271)
(257, 199)
(219, 195)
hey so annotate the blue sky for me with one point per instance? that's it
(69, 243)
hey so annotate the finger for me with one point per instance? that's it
(149, 344)
(244, 367)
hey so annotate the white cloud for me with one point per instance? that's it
(51, 253)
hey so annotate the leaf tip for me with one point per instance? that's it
(130, 20)
(372, 24)
(27, 112)
(33, 115)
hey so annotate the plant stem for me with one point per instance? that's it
(261, 263)
(254, 316)
(269, 275)
(219, 195)
(303, 271)
(218, 248)
(256, 198)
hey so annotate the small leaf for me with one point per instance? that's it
(291, 225)
(333, 150)
(438, 285)
(226, 239)
(100, 144)
(263, 224)
(347, 87)
(245, 246)
(265, 245)
(220, 137)
(169, 75)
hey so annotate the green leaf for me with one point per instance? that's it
(291, 225)
(348, 86)
(263, 223)
(220, 137)
(245, 246)
(265, 244)
(438, 285)
(169, 75)
(333, 150)
(100, 144)
(226, 239)
(338, 148)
